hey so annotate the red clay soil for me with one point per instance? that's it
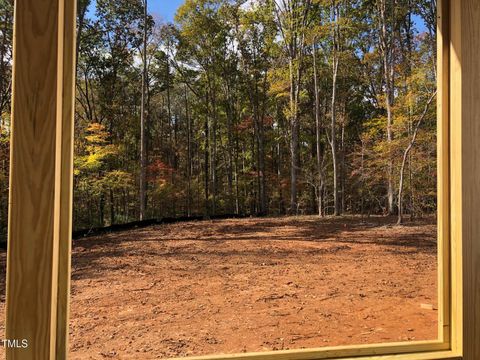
(251, 285)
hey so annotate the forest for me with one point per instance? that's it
(267, 148)
(247, 107)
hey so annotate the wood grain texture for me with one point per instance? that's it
(338, 354)
(443, 168)
(418, 351)
(39, 177)
(456, 195)
(66, 172)
(470, 172)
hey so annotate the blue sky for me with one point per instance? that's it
(164, 8)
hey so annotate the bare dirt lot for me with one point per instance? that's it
(250, 285)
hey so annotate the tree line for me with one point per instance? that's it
(264, 107)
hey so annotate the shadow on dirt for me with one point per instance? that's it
(335, 235)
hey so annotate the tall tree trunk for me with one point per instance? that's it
(318, 129)
(386, 47)
(333, 140)
(207, 157)
(342, 164)
(237, 185)
(214, 153)
(294, 141)
(143, 148)
(230, 120)
(389, 96)
(261, 167)
(189, 156)
(333, 124)
(175, 160)
(171, 152)
(82, 7)
(261, 149)
(362, 178)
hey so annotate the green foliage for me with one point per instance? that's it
(98, 150)
(221, 110)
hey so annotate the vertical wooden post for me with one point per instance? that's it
(38, 260)
(465, 172)
(470, 143)
(38, 269)
(66, 191)
(455, 113)
(443, 167)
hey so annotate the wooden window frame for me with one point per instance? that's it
(40, 217)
